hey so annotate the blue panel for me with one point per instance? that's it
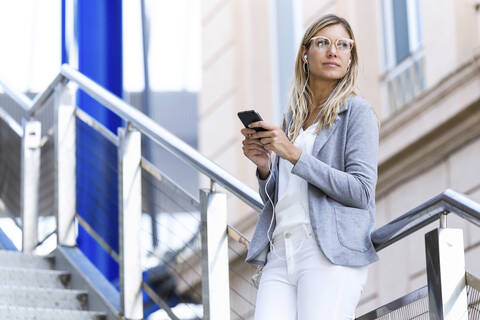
(99, 36)
(64, 42)
(99, 39)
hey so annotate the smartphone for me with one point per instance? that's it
(250, 116)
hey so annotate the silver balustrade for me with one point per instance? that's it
(431, 210)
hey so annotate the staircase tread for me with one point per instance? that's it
(42, 290)
(40, 313)
(25, 260)
(59, 290)
(43, 297)
(40, 309)
(20, 269)
(34, 278)
(24, 254)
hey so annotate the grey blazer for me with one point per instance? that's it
(342, 174)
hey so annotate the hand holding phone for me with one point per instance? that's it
(250, 116)
(252, 148)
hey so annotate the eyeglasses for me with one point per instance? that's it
(323, 43)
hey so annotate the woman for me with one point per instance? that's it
(313, 234)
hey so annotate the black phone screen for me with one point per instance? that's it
(250, 116)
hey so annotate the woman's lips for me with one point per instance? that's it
(331, 64)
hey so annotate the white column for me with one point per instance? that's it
(215, 272)
(445, 258)
(30, 177)
(130, 214)
(65, 160)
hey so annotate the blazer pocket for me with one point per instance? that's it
(353, 226)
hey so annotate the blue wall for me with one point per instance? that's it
(98, 31)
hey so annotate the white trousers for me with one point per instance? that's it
(299, 283)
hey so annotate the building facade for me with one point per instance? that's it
(420, 71)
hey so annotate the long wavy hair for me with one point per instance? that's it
(300, 100)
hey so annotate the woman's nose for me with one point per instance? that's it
(332, 51)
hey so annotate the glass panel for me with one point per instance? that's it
(402, 49)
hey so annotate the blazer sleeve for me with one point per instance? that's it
(266, 186)
(354, 187)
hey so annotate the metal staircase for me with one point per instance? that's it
(32, 289)
(40, 153)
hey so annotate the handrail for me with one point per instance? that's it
(424, 214)
(14, 125)
(21, 99)
(40, 98)
(154, 131)
(147, 126)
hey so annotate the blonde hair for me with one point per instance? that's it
(300, 92)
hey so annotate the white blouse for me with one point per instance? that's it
(292, 205)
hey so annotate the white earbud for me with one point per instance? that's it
(305, 58)
(349, 61)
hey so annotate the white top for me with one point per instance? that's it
(292, 205)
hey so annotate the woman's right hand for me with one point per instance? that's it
(254, 150)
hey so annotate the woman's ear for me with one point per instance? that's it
(304, 55)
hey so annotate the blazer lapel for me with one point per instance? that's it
(326, 132)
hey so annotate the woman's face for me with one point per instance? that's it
(326, 60)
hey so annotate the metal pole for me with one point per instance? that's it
(146, 109)
(130, 214)
(215, 274)
(65, 160)
(32, 132)
(447, 294)
(443, 220)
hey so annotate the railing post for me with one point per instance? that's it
(445, 258)
(65, 160)
(215, 274)
(443, 220)
(130, 214)
(32, 132)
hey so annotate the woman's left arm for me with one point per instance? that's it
(355, 186)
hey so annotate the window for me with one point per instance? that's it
(403, 78)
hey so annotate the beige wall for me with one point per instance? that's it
(236, 74)
(429, 145)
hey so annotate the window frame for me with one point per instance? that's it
(415, 31)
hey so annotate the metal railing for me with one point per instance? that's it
(434, 209)
(130, 195)
(212, 205)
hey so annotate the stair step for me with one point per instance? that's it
(26, 313)
(43, 298)
(12, 259)
(33, 278)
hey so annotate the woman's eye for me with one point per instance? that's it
(323, 43)
(343, 45)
